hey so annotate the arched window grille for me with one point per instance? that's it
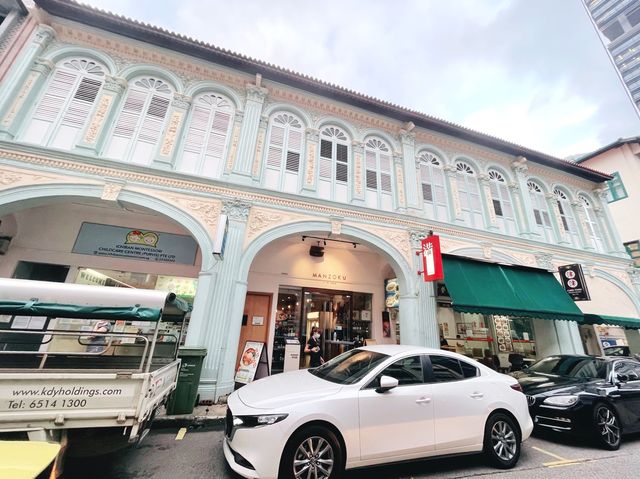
(207, 135)
(591, 222)
(501, 203)
(283, 153)
(378, 174)
(140, 124)
(567, 217)
(333, 171)
(66, 103)
(540, 211)
(469, 193)
(432, 186)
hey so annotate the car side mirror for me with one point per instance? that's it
(386, 384)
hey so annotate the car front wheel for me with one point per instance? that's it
(607, 427)
(501, 441)
(312, 452)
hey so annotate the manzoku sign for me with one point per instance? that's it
(573, 282)
(132, 243)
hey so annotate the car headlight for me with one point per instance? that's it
(256, 421)
(561, 401)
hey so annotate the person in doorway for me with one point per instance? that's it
(443, 341)
(313, 348)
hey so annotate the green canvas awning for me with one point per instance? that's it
(489, 288)
(629, 323)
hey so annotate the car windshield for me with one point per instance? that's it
(572, 367)
(349, 367)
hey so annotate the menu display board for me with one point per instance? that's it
(252, 362)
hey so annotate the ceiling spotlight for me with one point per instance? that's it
(325, 242)
(354, 245)
(303, 238)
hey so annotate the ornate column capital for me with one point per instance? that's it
(264, 122)
(357, 145)
(312, 134)
(483, 178)
(544, 260)
(44, 34)
(238, 116)
(256, 93)
(550, 196)
(236, 209)
(576, 203)
(519, 165)
(513, 187)
(114, 84)
(42, 66)
(634, 275)
(450, 171)
(416, 237)
(181, 101)
(600, 193)
(407, 136)
(398, 158)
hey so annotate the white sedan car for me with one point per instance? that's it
(374, 405)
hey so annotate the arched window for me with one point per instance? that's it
(68, 99)
(540, 211)
(378, 174)
(501, 203)
(284, 149)
(469, 192)
(333, 174)
(569, 224)
(207, 133)
(591, 222)
(141, 121)
(434, 195)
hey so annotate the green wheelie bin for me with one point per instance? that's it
(183, 399)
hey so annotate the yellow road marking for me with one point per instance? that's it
(564, 463)
(181, 434)
(561, 459)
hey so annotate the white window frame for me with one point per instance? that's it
(567, 217)
(157, 89)
(376, 149)
(217, 105)
(292, 125)
(500, 193)
(540, 205)
(336, 136)
(85, 69)
(429, 170)
(594, 230)
(466, 179)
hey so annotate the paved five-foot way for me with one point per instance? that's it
(171, 454)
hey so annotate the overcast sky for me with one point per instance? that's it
(531, 72)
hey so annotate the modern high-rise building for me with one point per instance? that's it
(618, 22)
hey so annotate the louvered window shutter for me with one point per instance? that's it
(54, 99)
(151, 127)
(342, 156)
(82, 102)
(326, 159)
(274, 157)
(294, 147)
(385, 173)
(218, 135)
(195, 138)
(130, 114)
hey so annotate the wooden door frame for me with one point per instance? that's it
(267, 321)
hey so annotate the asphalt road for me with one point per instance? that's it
(198, 455)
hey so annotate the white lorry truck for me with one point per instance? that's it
(87, 366)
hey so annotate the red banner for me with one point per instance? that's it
(431, 259)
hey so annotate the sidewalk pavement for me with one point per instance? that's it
(201, 416)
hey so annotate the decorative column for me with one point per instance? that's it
(607, 224)
(520, 170)
(401, 198)
(222, 331)
(489, 213)
(235, 141)
(408, 142)
(358, 171)
(245, 154)
(311, 160)
(256, 171)
(103, 113)
(22, 78)
(419, 327)
(178, 110)
(451, 180)
(518, 211)
(634, 274)
(25, 96)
